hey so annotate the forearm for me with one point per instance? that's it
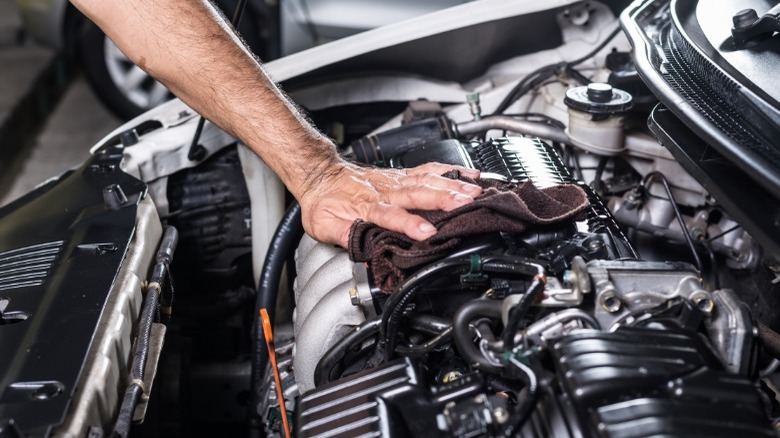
(188, 46)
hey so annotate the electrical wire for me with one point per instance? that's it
(541, 74)
(523, 410)
(645, 181)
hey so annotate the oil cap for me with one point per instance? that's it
(598, 98)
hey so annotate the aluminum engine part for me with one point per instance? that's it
(330, 294)
(731, 330)
(626, 288)
(105, 368)
(656, 215)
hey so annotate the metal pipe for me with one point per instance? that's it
(512, 124)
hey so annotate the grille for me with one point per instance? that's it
(710, 91)
(349, 407)
(28, 266)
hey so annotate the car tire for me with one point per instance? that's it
(124, 88)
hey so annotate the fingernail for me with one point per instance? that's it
(471, 188)
(460, 197)
(427, 228)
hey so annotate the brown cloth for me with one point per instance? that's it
(501, 207)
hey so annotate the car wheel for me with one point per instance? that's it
(122, 86)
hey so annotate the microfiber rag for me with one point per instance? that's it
(502, 206)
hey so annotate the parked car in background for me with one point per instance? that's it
(271, 29)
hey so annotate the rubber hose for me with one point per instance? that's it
(518, 312)
(337, 353)
(523, 410)
(468, 312)
(284, 240)
(426, 347)
(770, 339)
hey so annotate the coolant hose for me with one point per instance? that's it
(284, 240)
(470, 311)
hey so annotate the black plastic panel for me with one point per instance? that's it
(690, 74)
(60, 251)
(642, 382)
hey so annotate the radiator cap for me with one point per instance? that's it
(598, 98)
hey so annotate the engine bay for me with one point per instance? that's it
(642, 303)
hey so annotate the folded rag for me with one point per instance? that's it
(501, 207)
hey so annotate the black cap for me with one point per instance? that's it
(598, 98)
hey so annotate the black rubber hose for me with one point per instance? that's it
(141, 347)
(517, 312)
(523, 411)
(770, 340)
(426, 347)
(433, 325)
(470, 311)
(395, 305)
(323, 372)
(284, 240)
(406, 292)
(125, 418)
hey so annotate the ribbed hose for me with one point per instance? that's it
(284, 241)
(141, 348)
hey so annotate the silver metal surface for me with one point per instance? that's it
(625, 289)
(326, 286)
(731, 330)
(97, 394)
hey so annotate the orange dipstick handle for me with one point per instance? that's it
(269, 342)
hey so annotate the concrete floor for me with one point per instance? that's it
(75, 124)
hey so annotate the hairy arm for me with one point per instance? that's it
(189, 47)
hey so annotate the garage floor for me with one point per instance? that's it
(64, 133)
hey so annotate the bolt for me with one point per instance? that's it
(595, 245)
(610, 302)
(501, 415)
(702, 301)
(353, 297)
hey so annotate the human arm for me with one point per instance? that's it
(189, 47)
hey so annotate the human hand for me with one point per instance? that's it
(345, 192)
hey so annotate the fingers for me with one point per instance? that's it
(395, 218)
(426, 197)
(440, 182)
(439, 168)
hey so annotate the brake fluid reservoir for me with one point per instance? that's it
(596, 116)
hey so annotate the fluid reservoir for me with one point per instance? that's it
(596, 116)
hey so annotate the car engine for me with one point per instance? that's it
(650, 309)
(559, 331)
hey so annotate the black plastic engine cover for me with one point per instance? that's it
(61, 247)
(642, 382)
